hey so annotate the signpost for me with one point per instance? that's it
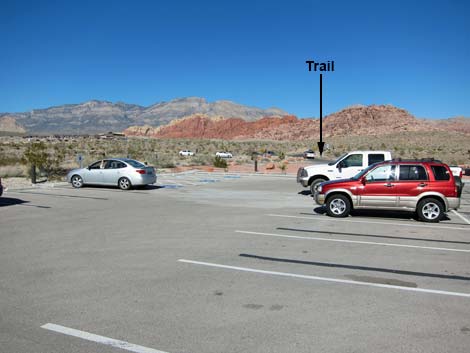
(80, 160)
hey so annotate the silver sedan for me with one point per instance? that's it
(122, 172)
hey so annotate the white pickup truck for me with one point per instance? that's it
(346, 166)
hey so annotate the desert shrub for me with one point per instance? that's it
(219, 162)
(36, 154)
(47, 161)
(283, 167)
(201, 160)
(9, 160)
(165, 161)
(282, 156)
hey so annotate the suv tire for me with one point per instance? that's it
(314, 185)
(430, 210)
(338, 206)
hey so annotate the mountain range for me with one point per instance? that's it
(194, 117)
(101, 116)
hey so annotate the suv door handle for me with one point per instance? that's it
(423, 184)
(389, 185)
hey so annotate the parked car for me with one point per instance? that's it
(1, 187)
(224, 155)
(427, 188)
(309, 154)
(122, 172)
(186, 153)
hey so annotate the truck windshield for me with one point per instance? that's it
(364, 171)
(339, 158)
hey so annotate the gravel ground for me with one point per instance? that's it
(24, 183)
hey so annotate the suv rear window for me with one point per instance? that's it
(413, 172)
(375, 158)
(440, 172)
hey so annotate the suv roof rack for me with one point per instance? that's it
(416, 160)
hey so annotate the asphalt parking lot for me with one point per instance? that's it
(226, 263)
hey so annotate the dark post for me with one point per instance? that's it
(256, 165)
(33, 174)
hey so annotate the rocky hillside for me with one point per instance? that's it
(357, 120)
(101, 116)
(459, 124)
(8, 124)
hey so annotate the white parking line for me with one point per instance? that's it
(327, 279)
(352, 241)
(461, 217)
(368, 222)
(100, 339)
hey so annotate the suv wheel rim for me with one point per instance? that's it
(338, 206)
(431, 210)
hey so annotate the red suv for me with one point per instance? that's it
(425, 187)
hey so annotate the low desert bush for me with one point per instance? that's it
(220, 162)
(283, 167)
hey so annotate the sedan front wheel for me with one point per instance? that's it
(77, 181)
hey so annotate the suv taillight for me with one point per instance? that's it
(140, 171)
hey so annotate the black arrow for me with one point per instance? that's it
(321, 144)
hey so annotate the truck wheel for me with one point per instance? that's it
(314, 185)
(430, 210)
(338, 206)
(459, 184)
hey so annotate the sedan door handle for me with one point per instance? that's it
(423, 185)
(389, 185)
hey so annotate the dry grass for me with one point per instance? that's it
(451, 148)
(13, 171)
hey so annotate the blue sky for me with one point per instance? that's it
(412, 54)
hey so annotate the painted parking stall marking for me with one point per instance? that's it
(461, 217)
(100, 339)
(327, 279)
(352, 241)
(317, 218)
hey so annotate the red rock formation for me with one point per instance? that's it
(356, 120)
(203, 127)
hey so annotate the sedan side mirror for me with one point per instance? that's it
(363, 180)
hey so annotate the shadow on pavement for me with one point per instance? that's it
(372, 235)
(355, 267)
(10, 201)
(374, 214)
